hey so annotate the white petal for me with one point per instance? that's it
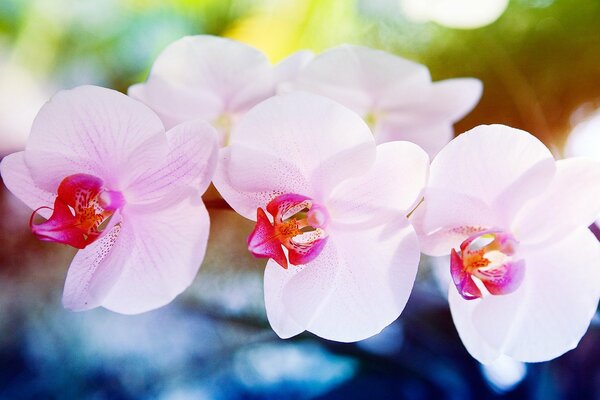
(191, 162)
(569, 202)
(446, 218)
(176, 104)
(17, 178)
(462, 315)
(432, 136)
(321, 139)
(362, 78)
(563, 294)
(95, 269)
(392, 186)
(357, 286)
(289, 68)
(452, 99)
(206, 68)
(487, 160)
(97, 131)
(167, 252)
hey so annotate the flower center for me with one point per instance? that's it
(486, 262)
(81, 208)
(298, 226)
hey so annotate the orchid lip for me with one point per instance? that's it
(487, 262)
(298, 227)
(82, 208)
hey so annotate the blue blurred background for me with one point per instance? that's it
(540, 64)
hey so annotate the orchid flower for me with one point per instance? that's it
(101, 169)
(395, 96)
(330, 209)
(525, 269)
(212, 78)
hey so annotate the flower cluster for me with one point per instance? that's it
(330, 155)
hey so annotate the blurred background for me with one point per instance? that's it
(539, 61)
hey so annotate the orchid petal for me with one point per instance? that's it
(390, 188)
(430, 135)
(487, 160)
(346, 294)
(95, 269)
(361, 78)
(17, 178)
(462, 315)
(569, 202)
(446, 218)
(452, 99)
(428, 123)
(325, 141)
(191, 162)
(96, 131)
(175, 104)
(289, 68)
(235, 73)
(252, 186)
(163, 259)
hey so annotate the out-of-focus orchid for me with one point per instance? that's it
(99, 166)
(212, 78)
(462, 14)
(525, 267)
(330, 208)
(396, 97)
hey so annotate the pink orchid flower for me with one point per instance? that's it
(212, 78)
(395, 96)
(100, 168)
(330, 209)
(525, 269)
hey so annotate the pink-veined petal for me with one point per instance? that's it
(570, 201)
(190, 162)
(485, 161)
(17, 178)
(357, 286)
(95, 269)
(164, 258)
(323, 141)
(551, 310)
(390, 188)
(95, 131)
